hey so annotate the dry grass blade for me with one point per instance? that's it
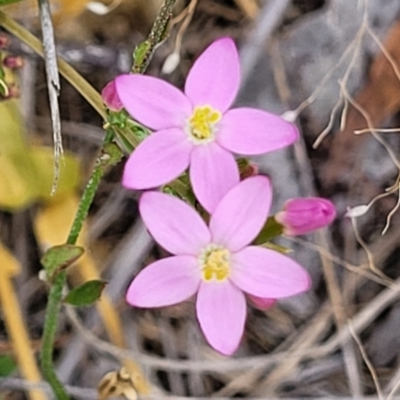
(367, 362)
(53, 83)
(15, 324)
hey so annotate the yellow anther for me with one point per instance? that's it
(202, 121)
(215, 264)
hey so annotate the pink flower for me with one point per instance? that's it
(110, 97)
(303, 215)
(216, 261)
(196, 128)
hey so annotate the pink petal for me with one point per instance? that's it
(266, 273)
(165, 282)
(249, 131)
(261, 302)
(215, 76)
(152, 101)
(213, 172)
(241, 214)
(110, 97)
(159, 159)
(173, 223)
(221, 311)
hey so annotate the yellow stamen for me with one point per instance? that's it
(215, 264)
(202, 122)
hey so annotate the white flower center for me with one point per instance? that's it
(203, 123)
(214, 263)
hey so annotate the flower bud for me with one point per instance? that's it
(110, 97)
(4, 41)
(304, 215)
(13, 62)
(250, 170)
(260, 302)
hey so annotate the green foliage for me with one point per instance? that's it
(142, 52)
(7, 366)
(277, 247)
(85, 294)
(7, 2)
(271, 229)
(129, 133)
(58, 258)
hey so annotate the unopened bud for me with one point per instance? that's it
(304, 215)
(110, 97)
(261, 303)
(248, 171)
(4, 41)
(13, 62)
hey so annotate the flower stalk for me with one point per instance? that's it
(159, 31)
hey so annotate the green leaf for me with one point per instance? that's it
(142, 52)
(60, 257)
(85, 294)
(271, 229)
(7, 2)
(7, 366)
(111, 154)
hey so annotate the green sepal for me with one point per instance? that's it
(129, 133)
(118, 118)
(111, 154)
(85, 294)
(182, 189)
(7, 366)
(276, 247)
(270, 230)
(58, 258)
(242, 163)
(138, 130)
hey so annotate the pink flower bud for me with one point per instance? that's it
(304, 215)
(4, 41)
(261, 303)
(13, 62)
(110, 97)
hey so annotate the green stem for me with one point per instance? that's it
(49, 333)
(159, 31)
(86, 201)
(110, 155)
